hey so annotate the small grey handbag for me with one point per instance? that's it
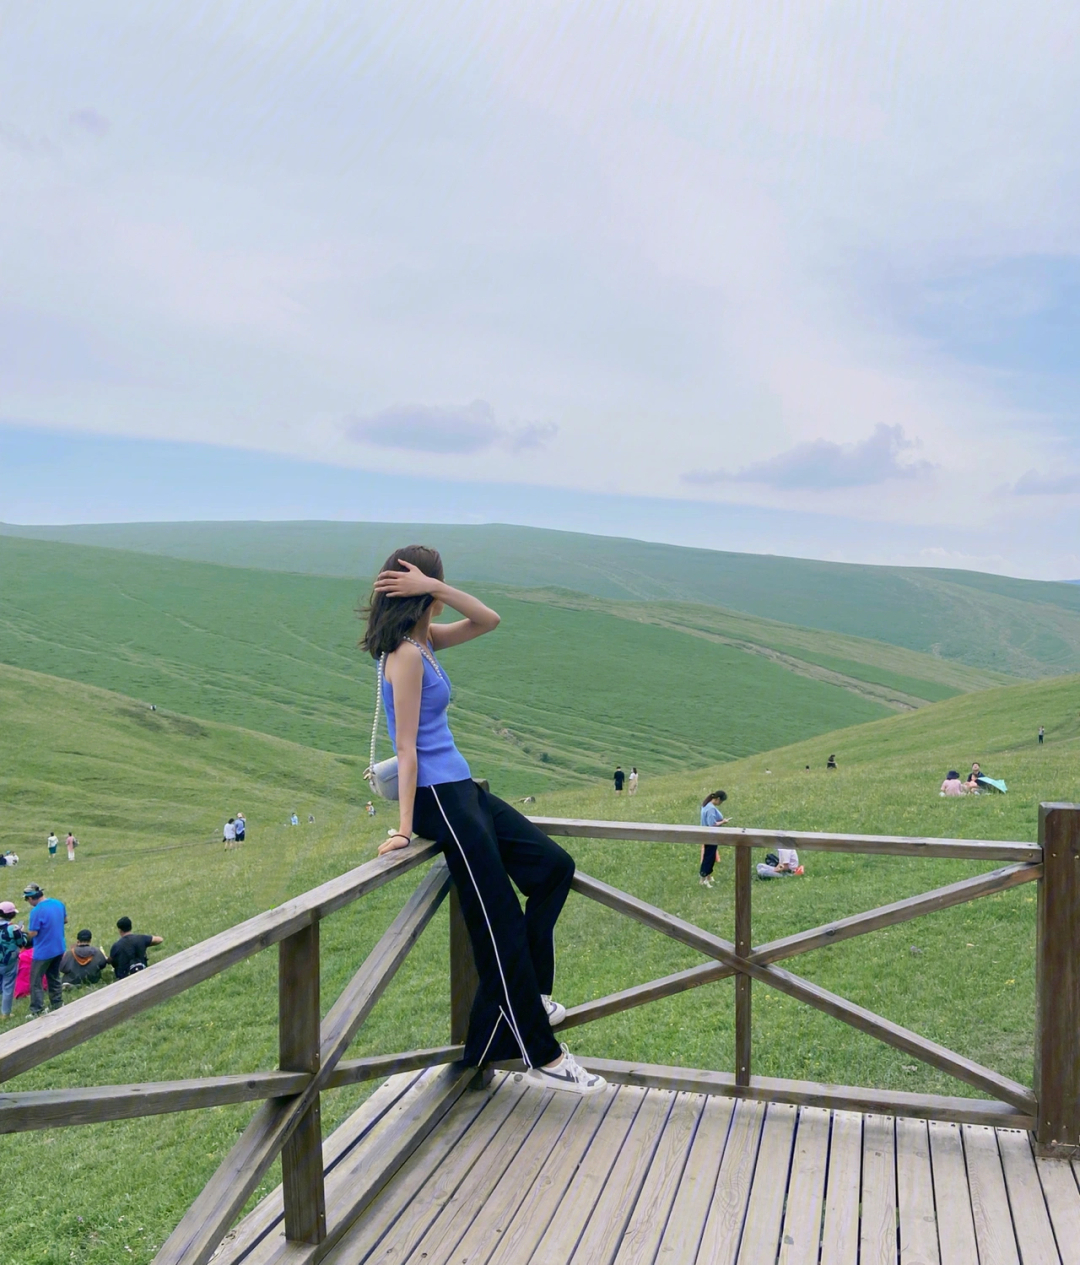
(381, 777)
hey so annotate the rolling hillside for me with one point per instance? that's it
(1019, 627)
(563, 692)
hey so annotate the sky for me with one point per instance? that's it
(798, 278)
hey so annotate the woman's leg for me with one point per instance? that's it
(508, 1018)
(7, 986)
(708, 859)
(543, 873)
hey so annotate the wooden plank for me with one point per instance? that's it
(213, 1211)
(52, 1034)
(645, 1229)
(406, 1207)
(875, 845)
(858, 1017)
(1057, 981)
(468, 1199)
(800, 1236)
(464, 979)
(956, 1229)
(267, 1216)
(765, 1211)
(843, 1191)
(501, 1206)
(353, 1071)
(898, 912)
(915, 1195)
(640, 994)
(564, 1230)
(877, 1229)
(520, 1238)
(603, 1232)
(812, 1094)
(53, 1108)
(743, 944)
(989, 1201)
(727, 1214)
(689, 1212)
(1031, 1220)
(298, 1051)
(1063, 1203)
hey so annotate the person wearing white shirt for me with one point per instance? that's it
(228, 834)
(785, 861)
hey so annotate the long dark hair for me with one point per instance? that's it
(390, 618)
(720, 795)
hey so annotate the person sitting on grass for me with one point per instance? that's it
(128, 954)
(952, 784)
(711, 816)
(973, 778)
(82, 963)
(784, 865)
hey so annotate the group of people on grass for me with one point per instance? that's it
(234, 831)
(782, 863)
(36, 962)
(621, 779)
(52, 843)
(974, 784)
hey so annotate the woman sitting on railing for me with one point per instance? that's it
(486, 842)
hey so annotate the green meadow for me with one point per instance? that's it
(1021, 627)
(147, 792)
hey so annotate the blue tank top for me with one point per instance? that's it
(437, 758)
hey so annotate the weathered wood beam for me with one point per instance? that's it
(52, 1034)
(353, 1071)
(900, 1038)
(887, 1102)
(641, 994)
(206, 1221)
(736, 837)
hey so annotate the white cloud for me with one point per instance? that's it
(464, 431)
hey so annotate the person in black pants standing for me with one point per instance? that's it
(710, 816)
(486, 842)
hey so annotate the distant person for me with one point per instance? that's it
(632, 786)
(72, 843)
(52, 843)
(1042, 735)
(128, 954)
(973, 778)
(9, 858)
(26, 970)
(952, 785)
(620, 778)
(294, 820)
(311, 819)
(240, 826)
(369, 808)
(784, 863)
(710, 816)
(13, 939)
(46, 930)
(83, 962)
(831, 762)
(228, 834)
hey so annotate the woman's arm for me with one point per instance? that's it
(479, 619)
(405, 672)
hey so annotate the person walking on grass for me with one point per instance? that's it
(71, 845)
(489, 846)
(710, 816)
(52, 843)
(128, 954)
(240, 827)
(228, 834)
(620, 778)
(13, 939)
(45, 928)
(1042, 735)
(631, 788)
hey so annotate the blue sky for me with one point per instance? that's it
(800, 278)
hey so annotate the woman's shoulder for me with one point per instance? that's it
(407, 656)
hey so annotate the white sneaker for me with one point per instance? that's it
(556, 1011)
(569, 1076)
(707, 881)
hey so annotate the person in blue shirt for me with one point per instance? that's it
(45, 928)
(489, 846)
(710, 816)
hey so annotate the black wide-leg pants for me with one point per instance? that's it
(487, 844)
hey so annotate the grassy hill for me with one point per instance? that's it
(147, 791)
(1020, 627)
(564, 691)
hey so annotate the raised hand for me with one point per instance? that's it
(411, 582)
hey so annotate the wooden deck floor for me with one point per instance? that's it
(513, 1176)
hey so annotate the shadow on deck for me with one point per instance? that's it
(512, 1175)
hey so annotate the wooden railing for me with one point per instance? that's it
(311, 1050)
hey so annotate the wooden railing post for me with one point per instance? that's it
(1057, 976)
(298, 1044)
(743, 944)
